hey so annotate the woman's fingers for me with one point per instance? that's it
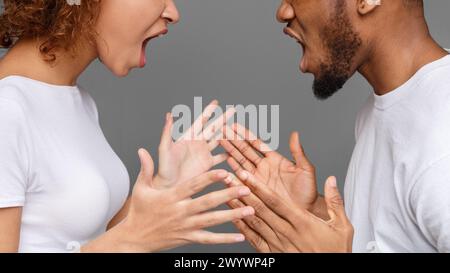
(194, 133)
(207, 237)
(252, 237)
(256, 224)
(214, 218)
(217, 198)
(213, 144)
(166, 137)
(265, 222)
(234, 165)
(267, 196)
(199, 183)
(215, 126)
(217, 159)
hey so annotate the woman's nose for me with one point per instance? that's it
(171, 13)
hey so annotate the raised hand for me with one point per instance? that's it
(160, 219)
(191, 155)
(291, 180)
(280, 225)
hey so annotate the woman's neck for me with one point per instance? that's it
(25, 59)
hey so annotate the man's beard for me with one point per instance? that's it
(342, 43)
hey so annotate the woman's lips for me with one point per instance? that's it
(143, 58)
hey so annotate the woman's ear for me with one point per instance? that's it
(367, 6)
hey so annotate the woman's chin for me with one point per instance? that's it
(121, 72)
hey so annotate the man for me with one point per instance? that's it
(398, 183)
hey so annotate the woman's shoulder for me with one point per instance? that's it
(11, 90)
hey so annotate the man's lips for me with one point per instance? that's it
(291, 33)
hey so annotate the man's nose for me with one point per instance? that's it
(285, 12)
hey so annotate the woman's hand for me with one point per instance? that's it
(160, 219)
(190, 155)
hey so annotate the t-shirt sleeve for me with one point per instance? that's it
(14, 154)
(430, 203)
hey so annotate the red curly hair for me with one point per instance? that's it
(59, 23)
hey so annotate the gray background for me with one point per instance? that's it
(234, 51)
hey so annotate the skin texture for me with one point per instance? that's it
(376, 41)
(160, 214)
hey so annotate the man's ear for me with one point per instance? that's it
(367, 6)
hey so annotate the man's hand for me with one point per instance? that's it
(291, 180)
(190, 155)
(280, 225)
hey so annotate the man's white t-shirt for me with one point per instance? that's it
(397, 190)
(56, 163)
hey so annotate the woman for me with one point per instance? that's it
(61, 184)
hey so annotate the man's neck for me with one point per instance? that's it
(394, 59)
(24, 59)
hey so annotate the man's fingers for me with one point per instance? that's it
(234, 165)
(334, 201)
(147, 166)
(266, 222)
(235, 153)
(242, 146)
(207, 237)
(266, 195)
(217, 198)
(257, 225)
(256, 143)
(214, 218)
(298, 153)
(199, 183)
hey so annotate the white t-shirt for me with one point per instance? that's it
(397, 190)
(56, 163)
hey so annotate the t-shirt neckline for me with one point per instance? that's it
(384, 101)
(48, 86)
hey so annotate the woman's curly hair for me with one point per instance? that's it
(58, 23)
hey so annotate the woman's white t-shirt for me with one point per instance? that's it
(56, 163)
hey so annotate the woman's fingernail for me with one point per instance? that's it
(243, 175)
(240, 238)
(248, 211)
(228, 179)
(244, 191)
(222, 174)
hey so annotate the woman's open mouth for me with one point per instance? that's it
(143, 58)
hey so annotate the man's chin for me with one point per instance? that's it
(327, 85)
